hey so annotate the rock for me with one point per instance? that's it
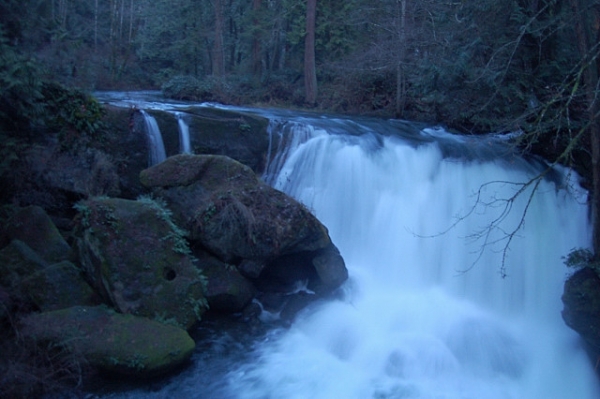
(35, 228)
(272, 239)
(59, 286)
(230, 211)
(139, 260)
(5, 305)
(319, 271)
(226, 289)
(53, 178)
(581, 300)
(113, 342)
(240, 136)
(17, 261)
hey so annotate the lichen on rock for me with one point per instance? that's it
(113, 342)
(139, 261)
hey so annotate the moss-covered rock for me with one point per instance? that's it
(59, 286)
(230, 211)
(113, 342)
(34, 227)
(272, 239)
(139, 260)
(17, 261)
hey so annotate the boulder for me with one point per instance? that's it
(113, 342)
(138, 260)
(59, 286)
(581, 311)
(34, 227)
(226, 289)
(271, 239)
(320, 271)
(50, 177)
(17, 261)
(230, 211)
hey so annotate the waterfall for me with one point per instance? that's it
(184, 134)
(437, 306)
(156, 153)
(455, 280)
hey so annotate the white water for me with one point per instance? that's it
(424, 315)
(427, 317)
(184, 134)
(156, 147)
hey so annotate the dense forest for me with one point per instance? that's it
(528, 66)
(475, 66)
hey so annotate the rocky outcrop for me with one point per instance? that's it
(138, 260)
(240, 136)
(581, 312)
(53, 178)
(113, 342)
(213, 235)
(270, 238)
(32, 226)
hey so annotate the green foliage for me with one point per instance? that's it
(75, 115)
(189, 88)
(177, 236)
(582, 257)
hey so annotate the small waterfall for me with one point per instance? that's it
(184, 134)
(156, 153)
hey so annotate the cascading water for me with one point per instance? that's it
(427, 313)
(184, 134)
(455, 281)
(156, 151)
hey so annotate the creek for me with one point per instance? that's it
(455, 258)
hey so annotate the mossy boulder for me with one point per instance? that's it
(59, 286)
(139, 260)
(271, 239)
(33, 226)
(18, 261)
(113, 342)
(230, 211)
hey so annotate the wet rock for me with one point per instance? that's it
(139, 260)
(272, 239)
(581, 311)
(226, 289)
(113, 342)
(230, 211)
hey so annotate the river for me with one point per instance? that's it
(455, 258)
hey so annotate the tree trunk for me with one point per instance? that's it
(587, 30)
(400, 78)
(310, 70)
(96, 26)
(218, 51)
(256, 51)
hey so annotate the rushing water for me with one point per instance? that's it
(455, 281)
(156, 147)
(184, 134)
